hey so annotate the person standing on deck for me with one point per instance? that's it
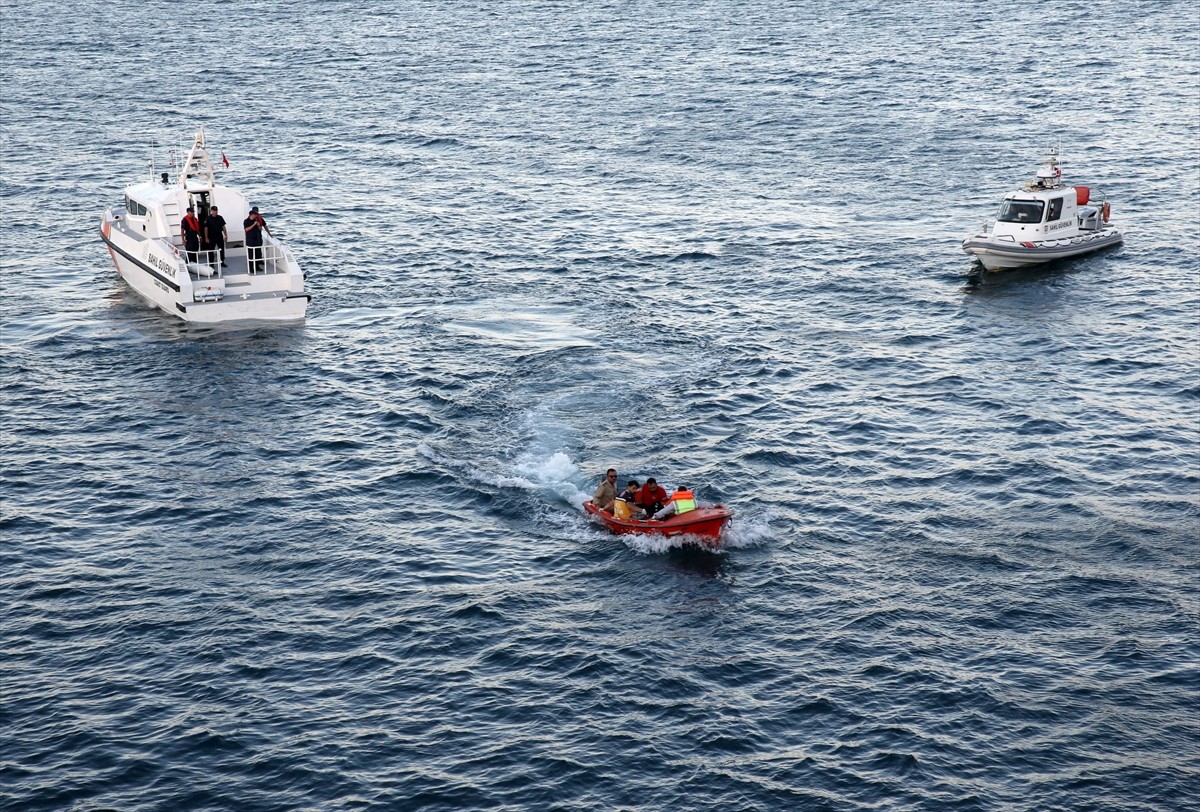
(254, 225)
(218, 234)
(190, 230)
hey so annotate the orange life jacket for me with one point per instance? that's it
(684, 501)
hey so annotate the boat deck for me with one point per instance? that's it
(206, 264)
(237, 263)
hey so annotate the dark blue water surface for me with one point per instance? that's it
(343, 566)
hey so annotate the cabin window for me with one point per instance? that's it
(1056, 207)
(1020, 211)
(134, 208)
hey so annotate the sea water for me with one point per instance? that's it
(343, 565)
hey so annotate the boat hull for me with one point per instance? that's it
(1000, 255)
(702, 524)
(161, 280)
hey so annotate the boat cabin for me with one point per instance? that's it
(1041, 213)
(1046, 209)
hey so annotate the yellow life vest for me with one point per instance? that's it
(621, 509)
(684, 501)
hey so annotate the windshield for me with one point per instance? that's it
(1020, 211)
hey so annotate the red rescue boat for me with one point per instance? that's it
(705, 523)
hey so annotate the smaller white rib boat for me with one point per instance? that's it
(1043, 221)
(144, 237)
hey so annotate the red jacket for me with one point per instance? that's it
(651, 495)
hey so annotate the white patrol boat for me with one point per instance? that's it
(144, 238)
(1042, 221)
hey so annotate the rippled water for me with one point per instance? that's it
(343, 565)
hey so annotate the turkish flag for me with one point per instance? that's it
(224, 160)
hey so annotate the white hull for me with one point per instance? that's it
(999, 254)
(145, 266)
(285, 308)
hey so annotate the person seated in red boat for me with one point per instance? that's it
(625, 505)
(651, 497)
(681, 501)
(606, 491)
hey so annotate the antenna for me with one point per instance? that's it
(1049, 175)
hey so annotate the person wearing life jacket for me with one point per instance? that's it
(681, 501)
(190, 229)
(625, 505)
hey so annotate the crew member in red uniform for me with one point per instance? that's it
(651, 497)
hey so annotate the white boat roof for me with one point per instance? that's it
(1038, 194)
(151, 192)
(197, 175)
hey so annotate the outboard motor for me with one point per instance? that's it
(1089, 218)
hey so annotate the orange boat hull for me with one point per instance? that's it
(705, 524)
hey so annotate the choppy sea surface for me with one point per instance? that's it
(343, 565)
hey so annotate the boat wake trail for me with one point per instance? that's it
(554, 476)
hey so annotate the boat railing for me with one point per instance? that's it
(203, 263)
(260, 259)
(267, 258)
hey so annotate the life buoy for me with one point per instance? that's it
(1106, 210)
(1057, 172)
